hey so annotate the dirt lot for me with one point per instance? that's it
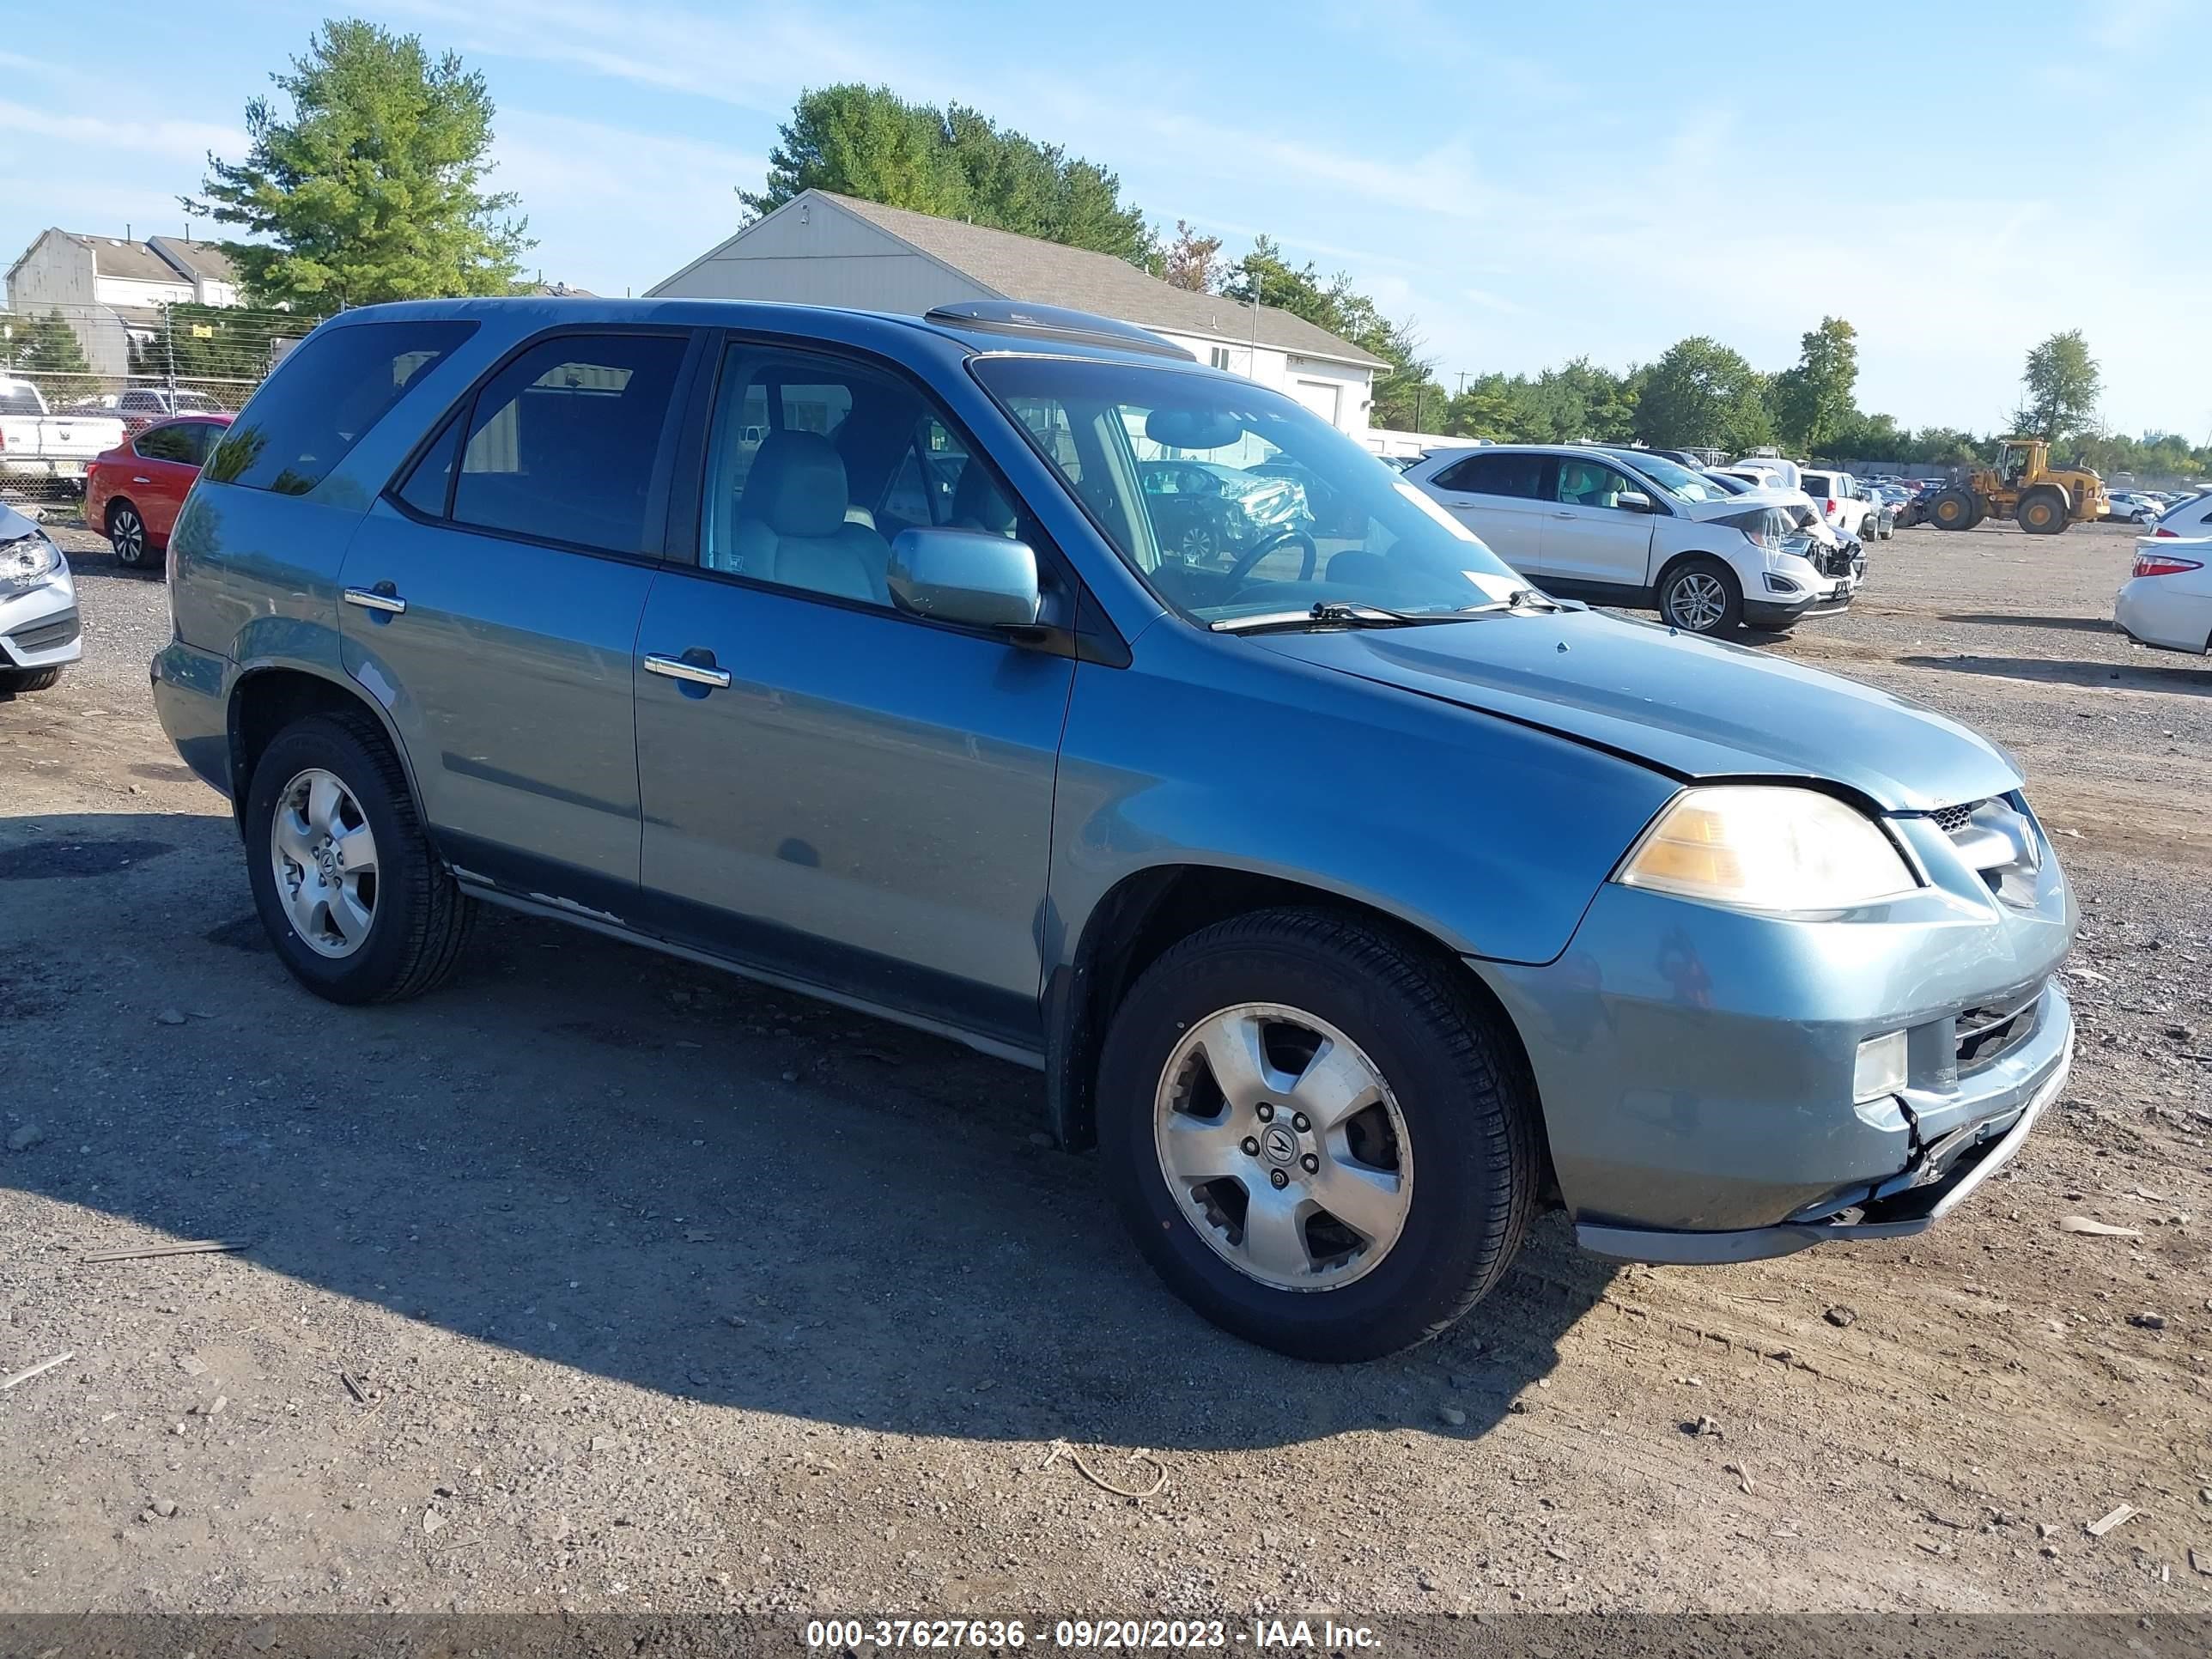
(599, 1281)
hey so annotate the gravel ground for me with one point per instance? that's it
(598, 1281)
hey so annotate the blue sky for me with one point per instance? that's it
(1530, 182)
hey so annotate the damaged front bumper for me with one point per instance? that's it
(1944, 1171)
(1697, 1065)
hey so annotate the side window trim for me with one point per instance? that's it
(462, 413)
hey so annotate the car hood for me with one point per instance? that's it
(1697, 709)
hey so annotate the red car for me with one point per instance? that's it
(133, 493)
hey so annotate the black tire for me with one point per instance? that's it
(1676, 588)
(1468, 1108)
(16, 681)
(1953, 509)
(126, 534)
(2041, 511)
(421, 919)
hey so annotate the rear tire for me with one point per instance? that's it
(2042, 512)
(16, 681)
(126, 534)
(1701, 596)
(1446, 1095)
(1953, 509)
(416, 920)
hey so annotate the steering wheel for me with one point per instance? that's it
(1268, 543)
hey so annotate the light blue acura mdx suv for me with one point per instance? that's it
(1355, 898)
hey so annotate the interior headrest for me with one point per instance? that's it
(797, 486)
(976, 500)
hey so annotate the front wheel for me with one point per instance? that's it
(1953, 509)
(1315, 1136)
(1701, 596)
(358, 907)
(15, 680)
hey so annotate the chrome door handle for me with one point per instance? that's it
(677, 668)
(142, 480)
(369, 599)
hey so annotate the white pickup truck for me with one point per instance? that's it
(40, 450)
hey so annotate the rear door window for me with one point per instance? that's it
(167, 443)
(1516, 475)
(330, 390)
(564, 443)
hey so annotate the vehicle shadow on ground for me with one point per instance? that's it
(2103, 676)
(2071, 624)
(595, 1156)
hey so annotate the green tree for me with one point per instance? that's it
(955, 163)
(46, 345)
(1700, 392)
(2062, 383)
(372, 188)
(1812, 400)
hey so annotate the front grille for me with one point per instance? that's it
(1952, 819)
(1988, 1034)
(45, 635)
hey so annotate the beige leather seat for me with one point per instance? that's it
(792, 528)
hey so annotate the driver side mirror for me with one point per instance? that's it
(965, 576)
(1632, 501)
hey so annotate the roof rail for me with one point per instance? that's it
(1055, 322)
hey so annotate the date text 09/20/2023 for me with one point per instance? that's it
(1139, 1634)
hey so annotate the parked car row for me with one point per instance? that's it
(540, 606)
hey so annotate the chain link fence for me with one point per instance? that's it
(78, 379)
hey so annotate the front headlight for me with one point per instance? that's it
(1774, 849)
(28, 562)
(1766, 525)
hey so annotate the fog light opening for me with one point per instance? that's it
(1880, 1067)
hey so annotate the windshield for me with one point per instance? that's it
(1679, 482)
(1233, 503)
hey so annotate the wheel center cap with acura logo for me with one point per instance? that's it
(1279, 1145)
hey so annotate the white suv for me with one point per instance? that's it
(1626, 527)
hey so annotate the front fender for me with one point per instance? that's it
(1489, 835)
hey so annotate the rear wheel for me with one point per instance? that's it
(1268, 1093)
(1953, 509)
(2042, 512)
(1701, 596)
(358, 905)
(126, 534)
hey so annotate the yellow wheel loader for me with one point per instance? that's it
(2021, 486)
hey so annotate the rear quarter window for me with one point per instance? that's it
(324, 398)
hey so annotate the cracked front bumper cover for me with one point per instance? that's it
(1953, 1169)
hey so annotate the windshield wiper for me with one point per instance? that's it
(1334, 613)
(1347, 613)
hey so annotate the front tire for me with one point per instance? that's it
(358, 907)
(1266, 1093)
(1952, 509)
(16, 681)
(1701, 596)
(126, 534)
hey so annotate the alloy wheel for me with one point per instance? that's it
(127, 533)
(325, 858)
(1198, 541)
(1696, 602)
(1283, 1145)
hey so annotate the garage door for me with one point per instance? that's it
(1324, 397)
